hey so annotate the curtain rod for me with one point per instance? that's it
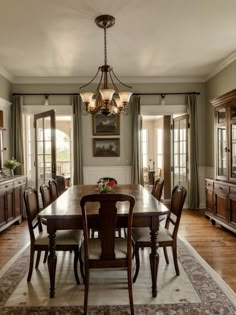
(141, 94)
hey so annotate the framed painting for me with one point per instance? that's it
(106, 147)
(106, 125)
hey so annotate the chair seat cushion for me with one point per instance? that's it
(67, 237)
(94, 248)
(143, 235)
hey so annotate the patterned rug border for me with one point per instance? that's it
(216, 296)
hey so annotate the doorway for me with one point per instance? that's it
(40, 150)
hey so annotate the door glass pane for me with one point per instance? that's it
(40, 147)
(233, 150)
(222, 152)
(221, 115)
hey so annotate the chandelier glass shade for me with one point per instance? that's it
(106, 100)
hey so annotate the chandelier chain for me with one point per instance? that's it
(105, 45)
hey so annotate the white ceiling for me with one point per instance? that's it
(152, 39)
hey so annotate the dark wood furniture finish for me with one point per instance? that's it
(11, 200)
(168, 235)
(67, 240)
(107, 251)
(221, 193)
(53, 189)
(65, 213)
(221, 203)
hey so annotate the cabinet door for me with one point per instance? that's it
(209, 196)
(232, 210)
(18, 200)
(222, 150)
(221, 201)
(10, 204)
(232, 142)
(2, 207)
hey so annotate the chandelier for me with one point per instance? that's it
(105, 100)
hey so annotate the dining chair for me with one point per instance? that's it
(158, 188)
(53, 189)
(65, 240)
(167, 236)
(46, 195)
(108, 251)
(60, 180)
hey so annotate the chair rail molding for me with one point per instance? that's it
(121, 173)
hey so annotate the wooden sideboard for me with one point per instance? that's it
(11, 200)
(221, 203)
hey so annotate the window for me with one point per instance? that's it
(145, 147)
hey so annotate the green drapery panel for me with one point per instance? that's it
(193, 171)
(77, 141)
(17, 151)
(136, 123)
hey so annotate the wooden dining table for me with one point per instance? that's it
(65, 214)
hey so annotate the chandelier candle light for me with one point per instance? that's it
(104, 100)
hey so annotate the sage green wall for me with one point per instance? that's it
(5, 88)
(125, 136)
(221, 83)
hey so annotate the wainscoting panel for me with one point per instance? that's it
(121, 173)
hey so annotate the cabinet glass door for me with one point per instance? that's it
(233, 112)
(222, 152)
(233, 150)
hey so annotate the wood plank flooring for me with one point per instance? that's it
(216, 245)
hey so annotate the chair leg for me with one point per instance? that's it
(76, 258)
(130, 288)
(137, 260)
(166, 255)
(31, 264)
(81, 267)
(45, 256)
(174, 250)
(86, 288)
(38, 259)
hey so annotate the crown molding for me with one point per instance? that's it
(6, 74)
(222, 65)
(82, 80)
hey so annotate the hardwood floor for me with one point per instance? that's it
(216, 245)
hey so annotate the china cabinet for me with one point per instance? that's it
(221, 192)
(11, 200)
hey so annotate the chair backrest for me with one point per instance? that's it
(32, 210)
(107, 210)
(46, 195)
(60, 184)
(158, 188)
(177, 202)
(103, 179)
(53, 189)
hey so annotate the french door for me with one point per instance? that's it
(180, 150)
(45, 147)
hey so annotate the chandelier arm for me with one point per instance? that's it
(91, 80)
(113, 83)
(130, 87)
(100, 81)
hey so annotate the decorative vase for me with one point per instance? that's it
(12, 172)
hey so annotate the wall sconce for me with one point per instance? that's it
(46, 103)
(163, 99)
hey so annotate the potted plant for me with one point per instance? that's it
(11, 165)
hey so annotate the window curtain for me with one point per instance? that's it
(17, 151)
(193, 182)
(77, 141)
(136, 123)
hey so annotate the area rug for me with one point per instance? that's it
(197, 291)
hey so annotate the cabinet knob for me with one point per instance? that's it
(6, 186)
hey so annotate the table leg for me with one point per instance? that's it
(154, 257)
(52, 262)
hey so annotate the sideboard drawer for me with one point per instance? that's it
(221, 188)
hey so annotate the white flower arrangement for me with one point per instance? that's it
(11, 164)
